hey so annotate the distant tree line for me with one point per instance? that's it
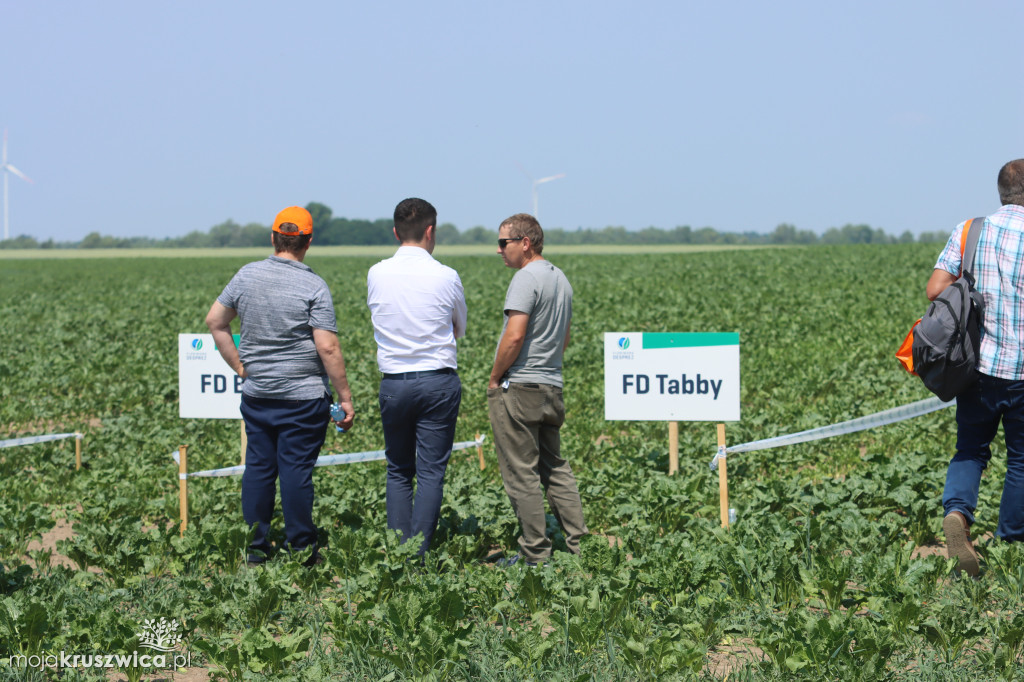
(344, 231)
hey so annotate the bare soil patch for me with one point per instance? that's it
(63, 529)
(727, 659)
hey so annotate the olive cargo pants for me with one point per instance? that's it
(525, 420)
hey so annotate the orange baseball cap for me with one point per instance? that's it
(296, 215)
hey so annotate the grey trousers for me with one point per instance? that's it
(525, 420)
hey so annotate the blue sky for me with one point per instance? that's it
(141, 118)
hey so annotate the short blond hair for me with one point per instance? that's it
(525, 225)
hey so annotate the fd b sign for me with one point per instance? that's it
(207, 387)
(672, 377)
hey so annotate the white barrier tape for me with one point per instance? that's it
(216, 473)
(29, 440)
(350, 458)
(322, 461)
(896, 414)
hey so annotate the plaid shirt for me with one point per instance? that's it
(999, 274)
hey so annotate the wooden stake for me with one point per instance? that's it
(673, 448)
(480, 451)
(245, 440)
(723, 480)
(78, 453)
(183, 486)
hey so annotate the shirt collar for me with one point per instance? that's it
(1011, 208)
(413, 252)
(289, 262)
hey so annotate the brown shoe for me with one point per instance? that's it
(958, 543)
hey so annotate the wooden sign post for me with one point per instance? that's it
(723, 479)
(480, 451)
(673, 448)
(183, 486)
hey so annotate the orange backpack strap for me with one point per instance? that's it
(967, 228)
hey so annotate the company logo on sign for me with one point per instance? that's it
(621, 352)
(197, 346)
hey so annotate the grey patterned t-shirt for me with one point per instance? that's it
(280, 302)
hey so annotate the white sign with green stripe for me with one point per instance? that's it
(672, 376)
(207, 387)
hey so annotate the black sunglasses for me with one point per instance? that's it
(502, 243)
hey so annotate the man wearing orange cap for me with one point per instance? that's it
(289, 356)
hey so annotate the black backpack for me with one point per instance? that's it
(945, 347)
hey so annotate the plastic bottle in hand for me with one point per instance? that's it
(337, 414)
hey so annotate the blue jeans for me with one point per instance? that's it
(979, 410)
(419, 417)
(284, 440)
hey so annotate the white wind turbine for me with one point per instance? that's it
(7, 170)
(538, 182)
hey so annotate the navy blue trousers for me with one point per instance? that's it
(419, 428)
(979, 410)
(284, 441)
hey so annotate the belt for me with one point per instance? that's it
(417, 375)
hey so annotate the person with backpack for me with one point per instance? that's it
(997, 395)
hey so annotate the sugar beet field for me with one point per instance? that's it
(833, 569)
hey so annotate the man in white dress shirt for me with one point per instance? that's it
(418, 308)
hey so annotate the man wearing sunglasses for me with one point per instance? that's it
(524, 394)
